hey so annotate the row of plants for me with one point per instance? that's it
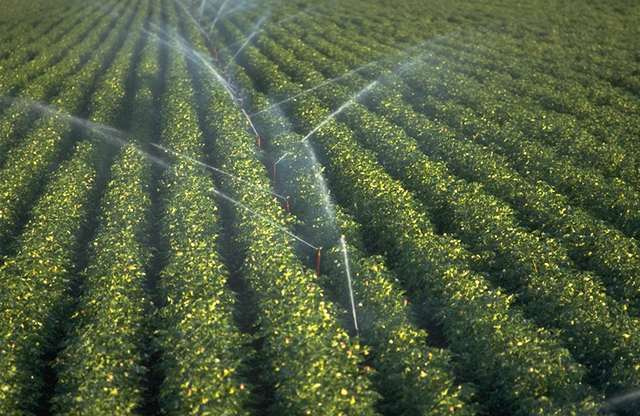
(203, 351)
(610, 199)
(28, 163)
(609, 60)
(36, 281)
(554, 131)
(522, 262)
(523, 43)
(17, 79)
(490, 337)
(311, 361)
(412, 377)
(581, 80)
(37, 40)
(557, 95)
(514, 75)
(544, 87)
(22, 114)
(590, 242)
(100, 370)
(18, 34)
(594, 107)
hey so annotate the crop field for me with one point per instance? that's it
(296, 207)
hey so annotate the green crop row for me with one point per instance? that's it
(434, 267)
(487, 224)
(14, 80)
(36, 281)
(28, 163)
(560, 130)
(569, 110)
(21, 34)
(21, 114)
(412, 377)
(38, 41)
(202, 349)
(591, 242)
(101, 368)
(612, 199)
(550, 89)
(313, 364)
(525, 263)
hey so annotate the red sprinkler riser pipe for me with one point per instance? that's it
(318, 252)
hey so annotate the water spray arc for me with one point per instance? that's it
(192, 18)
(331, 116)
(314, 88)
(347, 267)
(177, 42)
(218, 14)
(253, 34)
(117, 138)
(173, 40)
(213, 168)
(340, 109)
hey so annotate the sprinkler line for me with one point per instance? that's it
(213, 168)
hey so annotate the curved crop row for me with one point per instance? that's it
(314, 364)
(102, 360)
(30, 45)
(22, 113)
(21, 34)
(28, 163)
(558, 128)
(545, 112)
(526, 263)
(592, 243)
(18, 78)
(561, 85)
(492, 339)
(36, 281)
(412, 377)
(202, 349)
(100, 368)
(613, 200)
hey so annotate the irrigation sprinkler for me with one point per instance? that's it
(287, 204)
(274, 168)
